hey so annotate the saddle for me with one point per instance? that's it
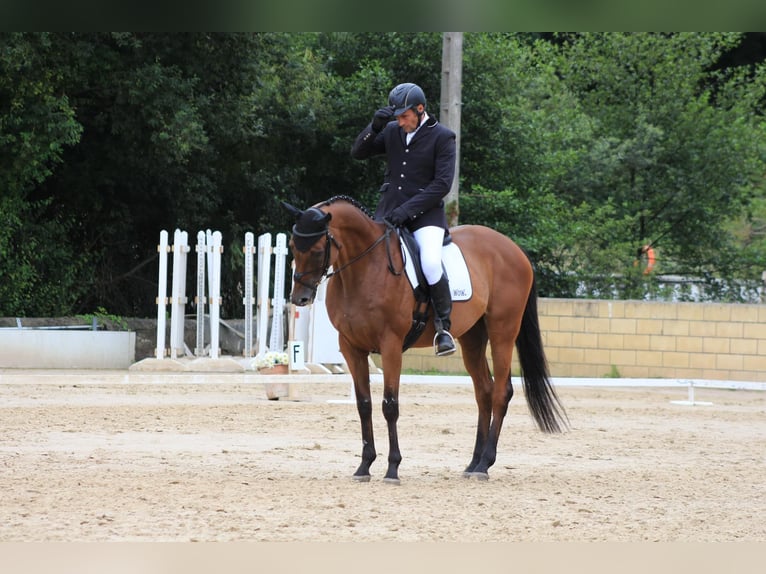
(453, 266)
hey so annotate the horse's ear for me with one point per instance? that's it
(292, 210)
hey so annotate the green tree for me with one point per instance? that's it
(674, 149)
(38, 265)
(524, 132)
(178, 130)
(639, 136)
(582, 147)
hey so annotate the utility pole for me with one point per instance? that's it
(451, 103)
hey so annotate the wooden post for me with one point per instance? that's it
(451, 103)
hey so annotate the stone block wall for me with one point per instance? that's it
(639, 339)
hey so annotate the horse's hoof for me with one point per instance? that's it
(394, 481)
(482, 476)
(361, 477)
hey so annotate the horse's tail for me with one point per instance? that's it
(542, 400)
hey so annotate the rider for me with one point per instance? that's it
(421, 156)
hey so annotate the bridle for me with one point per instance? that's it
(329, 241)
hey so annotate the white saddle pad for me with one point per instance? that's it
(454, 265)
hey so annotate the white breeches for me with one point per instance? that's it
(430, 241)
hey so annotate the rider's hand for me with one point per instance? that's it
(397, 217)
(381, 118)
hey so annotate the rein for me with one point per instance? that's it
(328, 247)
(386, 235)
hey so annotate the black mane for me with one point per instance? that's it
(350, 200)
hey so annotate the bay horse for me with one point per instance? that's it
(371, 303)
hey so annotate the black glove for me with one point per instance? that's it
(381, 118)
(397, 217)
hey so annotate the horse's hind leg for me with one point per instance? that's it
(501, 342)
(473, 345)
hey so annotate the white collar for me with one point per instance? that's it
(423, 120)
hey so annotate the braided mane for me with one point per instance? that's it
(350, 200)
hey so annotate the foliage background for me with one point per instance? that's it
(582, 147)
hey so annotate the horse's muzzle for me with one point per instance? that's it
(302, 297)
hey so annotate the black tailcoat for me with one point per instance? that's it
(418, 175)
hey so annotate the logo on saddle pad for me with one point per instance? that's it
(454, 266)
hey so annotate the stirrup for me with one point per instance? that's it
(444, 350)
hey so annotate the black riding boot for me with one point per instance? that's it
(441, 300)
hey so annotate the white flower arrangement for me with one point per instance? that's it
(271, 359)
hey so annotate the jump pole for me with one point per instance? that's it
(277, 340)
(264, 272)
(162, 294)
(200, 300)
(248, 300)
(178, 300)
(214, 279)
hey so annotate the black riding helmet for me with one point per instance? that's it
(406, 96)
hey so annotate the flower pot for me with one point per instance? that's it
(275, 370)
(274, 391)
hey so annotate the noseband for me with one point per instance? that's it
(329, 240)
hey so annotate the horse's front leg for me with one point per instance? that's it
(357, 362)
(391, 358)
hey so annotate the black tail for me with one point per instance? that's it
(543, 403)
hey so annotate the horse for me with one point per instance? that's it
(371, 304)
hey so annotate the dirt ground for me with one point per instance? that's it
(105, 456)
